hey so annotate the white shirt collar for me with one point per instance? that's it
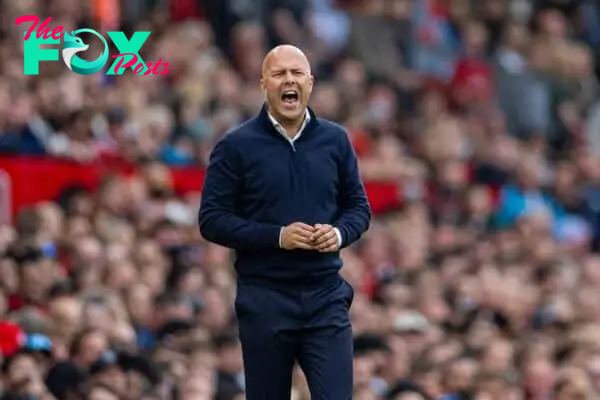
(282, 131)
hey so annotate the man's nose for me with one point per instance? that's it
(289, 78)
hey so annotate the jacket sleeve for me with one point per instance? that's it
(217, 217)
(354, 210)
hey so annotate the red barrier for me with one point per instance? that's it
(25, 181)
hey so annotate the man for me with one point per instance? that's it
(284, 191)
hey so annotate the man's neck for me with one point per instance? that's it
(292, 127)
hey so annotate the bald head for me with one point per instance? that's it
(284, 51)
(287, 83)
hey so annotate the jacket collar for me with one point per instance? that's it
(265, 122)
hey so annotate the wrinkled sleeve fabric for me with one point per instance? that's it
(354, 210)
(217, 217)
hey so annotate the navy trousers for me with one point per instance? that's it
(279, 327)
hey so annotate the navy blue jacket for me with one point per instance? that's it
(257, 182)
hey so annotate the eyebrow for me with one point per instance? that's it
(297, 69)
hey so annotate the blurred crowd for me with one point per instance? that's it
(484, 283)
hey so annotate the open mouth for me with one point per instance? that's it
(289, 97)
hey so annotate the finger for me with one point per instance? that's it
(329, 243)
(329, 249)
(320, 232)
(328, 236)
(304, 235)
(298, 237)
(303, 245)
(303, 226)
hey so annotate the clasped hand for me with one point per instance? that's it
(321, 237)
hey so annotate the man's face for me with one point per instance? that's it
(593, 369)
(498, 356)
(89, 252)
(10, 275)
(539, 377)
(139, 304)
(287, 83)
(410, 396)
(198, 385)
(216, 313)
(22, 368)
(112, 377)
(33, 281)
(462, 373)
(231, 359)
(100, 393)
(94, 344)
(97, 315)
(66, 315)
(364, 368)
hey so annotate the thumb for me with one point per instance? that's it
(314, 235)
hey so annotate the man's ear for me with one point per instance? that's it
(261, 82)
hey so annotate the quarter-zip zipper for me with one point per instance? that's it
(293, 145)
(290, 142)
(285, 135)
